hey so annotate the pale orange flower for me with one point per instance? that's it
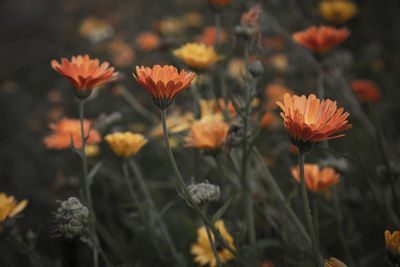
(275, 92)
(122, 54)
(207, 135)
(148, 41)
(366, 90)
(84, 73)
(9, 207)
(268, 119)
(321, 39)
(163, 83)
(209, 34)
(309, 121)
(392, 242)
(68, 129)
(317, 180)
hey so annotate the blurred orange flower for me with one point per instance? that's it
(316, 180)
(333, 262)
(321, 39)
(268, 119)
(9, 207)
(366, 90)
(147, 41)
(250, 18)
(273, 93)
(122, 54)
(84, 73)
(68, 129)
(392, 242)
(337, 11)
(207, 135)
(309, 121)
(209, 34)
(163, 83)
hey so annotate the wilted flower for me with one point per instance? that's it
(333, 262)
(125, 144)
(316, 180)
(209, 36)
(310, 121)
(204, 193)
(163, 83)
(366, 90)
(337, 11)
(197, 56)
(207, 135)
(71, 217)
(69, 129)
(9, 207)
(147, 41)
(249, 25)
(321, 39)
(202, 249)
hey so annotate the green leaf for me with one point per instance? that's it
(221, 211)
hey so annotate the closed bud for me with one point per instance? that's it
(256, 68)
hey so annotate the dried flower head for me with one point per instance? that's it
(366, 90)
(316, 180)
(309, 121)
(69, 129)
(84, 73)
(337, 11)
(197, 56)
(321, 39)
(333, 262)
(9, 207)
(208, 136)
(71, 217)
(125, 144)
(202, 249)
(204, 193)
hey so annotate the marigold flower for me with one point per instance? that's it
(366, 90)
(125, 144)
(197, 56)
(207, 135)
(310, 121)
(321, 39)
(337, 11)
(202, 249)
(9, 207)
(333, 262)
(163, 83)
(68, 129)
(392, 243)
(209, 36)
(147, 41)
(84, 73)
(316, 180)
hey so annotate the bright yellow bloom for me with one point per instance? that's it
(207, 135)
(197, 56)
(9, 207)
(125, 144)
(392, 242)
(337, 11)
(333, 262)
(202, 249)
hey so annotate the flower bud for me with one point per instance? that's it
(256, 68)
(204, 193)
(71, 217)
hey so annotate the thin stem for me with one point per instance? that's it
(86, 185)
(218, 38)
(212, 244)
(307, 211)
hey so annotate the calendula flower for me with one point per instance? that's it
(163, 83)
(202, 249)
(366, 90)
(197, 56)
(69, 129)
(207, 135)
(337, 11)
(333, 262)
(84, 73)
(310, 121)
(9, 207)
(209, 36)
(273, 93)
(147, 41)
(125, 144)
(392, 243)
(321, 39)
(317, 180)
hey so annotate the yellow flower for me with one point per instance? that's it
(125, 144)
(197, 56)
(209, 111)
(337, 11)
(176, 122)
(92, 150)
(9, 206)
(392, 242)
(202, 249)
(207, 135)
(333, 262)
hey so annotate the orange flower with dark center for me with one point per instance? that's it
(316, 180)
(207, 135)
(321, 39)
(366, 90)
(310, 121)
(68, 129)
(163, 83)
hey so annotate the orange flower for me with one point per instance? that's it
(9, 207)
(147, 41)
(317, 180)
(68, 129)
(209, 34)
(207, 135)
(321, 39)
(275, 92)
(309, 121)
(333, 262)
(392, 242)
(268, 119)
(84, 73)
(163, 83)
(250, 18)
(366, 90)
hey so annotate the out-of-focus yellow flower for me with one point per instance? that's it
(197, 56)
(9, 207)
(209, 111)
(207, 135)
(337, 11)
(333, 262)
(279, 62)
(92, 150)
(125, 144)
(237, 69)
(171, 25)
(176, 122)
(193, 19)
(202, 249)
(392, 242)
(96, 30)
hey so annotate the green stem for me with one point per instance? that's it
(86, 185)
(307, 211)
(212, 244)
(218, 38)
